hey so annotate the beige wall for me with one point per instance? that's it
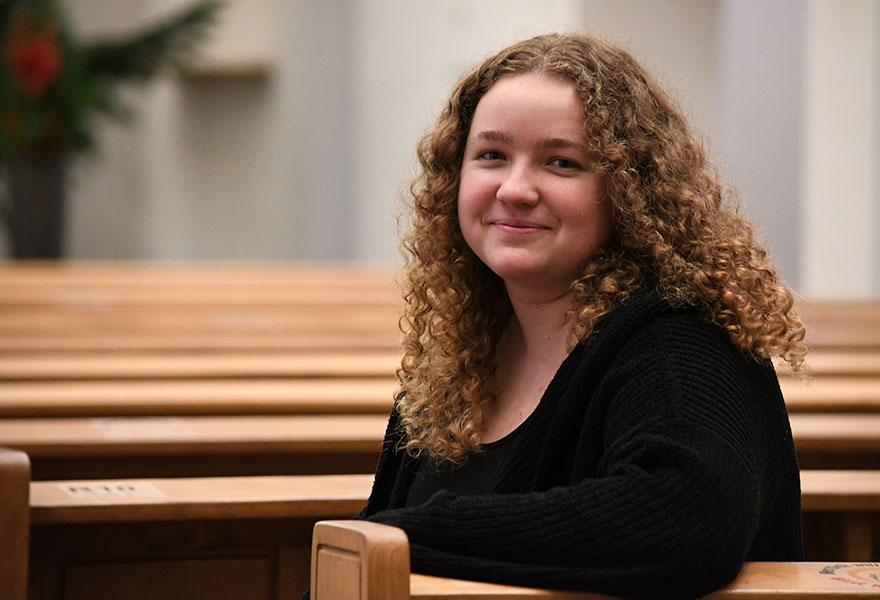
(841, 152)
(309, 162)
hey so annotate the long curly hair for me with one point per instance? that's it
(673, 222)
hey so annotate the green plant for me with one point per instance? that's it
(52, 85)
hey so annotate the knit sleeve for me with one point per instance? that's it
(662, 510)
(672, 512)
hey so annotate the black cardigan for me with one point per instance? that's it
(659, 459)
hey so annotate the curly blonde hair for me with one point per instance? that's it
(673, 222)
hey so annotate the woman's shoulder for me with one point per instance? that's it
(649, 329)
(648, 311)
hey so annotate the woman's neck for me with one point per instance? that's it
(530, 351)
(541, 323)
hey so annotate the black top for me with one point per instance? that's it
(479, 475)
(659, 459)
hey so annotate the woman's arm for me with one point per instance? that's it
(664, 511)
(679, 496)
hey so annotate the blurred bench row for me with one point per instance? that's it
(87, 306)
(219, 375)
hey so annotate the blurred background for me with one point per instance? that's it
(292, 136)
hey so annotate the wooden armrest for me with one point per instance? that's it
(358, 560)
(15, 475)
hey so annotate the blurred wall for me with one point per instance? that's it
(310, 161)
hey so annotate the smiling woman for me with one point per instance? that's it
(586, 396)
(529, 204)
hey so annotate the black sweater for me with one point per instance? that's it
(659, 459)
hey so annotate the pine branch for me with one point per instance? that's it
(166, 43)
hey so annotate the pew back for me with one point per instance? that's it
(179, 539)
(91, 538)
(88, 448)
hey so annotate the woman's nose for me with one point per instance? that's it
(518, 187)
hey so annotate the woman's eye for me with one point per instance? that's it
(491, 155)
(564, 163)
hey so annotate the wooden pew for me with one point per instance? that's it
(178, 539)
(841, 512)
(90, 534)
(369, 363)
(80, 448)
(95, 539)
(135, 306)
(87, 448)
(172, 397)
(832, 394)
(842, 324)
(164, 365)
(255, 337)
(120, 305)
(120, 275)
(320, 395)
(837, 441)
(355, 560)
(294, 320)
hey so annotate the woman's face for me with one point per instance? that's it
(529, 205)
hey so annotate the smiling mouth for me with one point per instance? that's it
(517, 226)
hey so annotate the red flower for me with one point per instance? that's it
(33, 56)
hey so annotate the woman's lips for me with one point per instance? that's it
(516, 226)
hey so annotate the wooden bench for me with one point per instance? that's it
(164, 365)
(93, 539)
(131, 305)
(318, 395)
(831, 394)
(842, 324)
(355, 560)
(841, 512)
(837, 440)
(88, 448)
(80, 448)
(120, 275)
(170, 397)
(169, 539)
(305, 363)
(841, 508)
(134, 306)
(73, 521)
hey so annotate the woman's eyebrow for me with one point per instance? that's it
(553, 143)
(493, 135)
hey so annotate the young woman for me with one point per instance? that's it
(587, 398)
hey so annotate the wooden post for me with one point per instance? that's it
(15, 475)
(358, 560)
